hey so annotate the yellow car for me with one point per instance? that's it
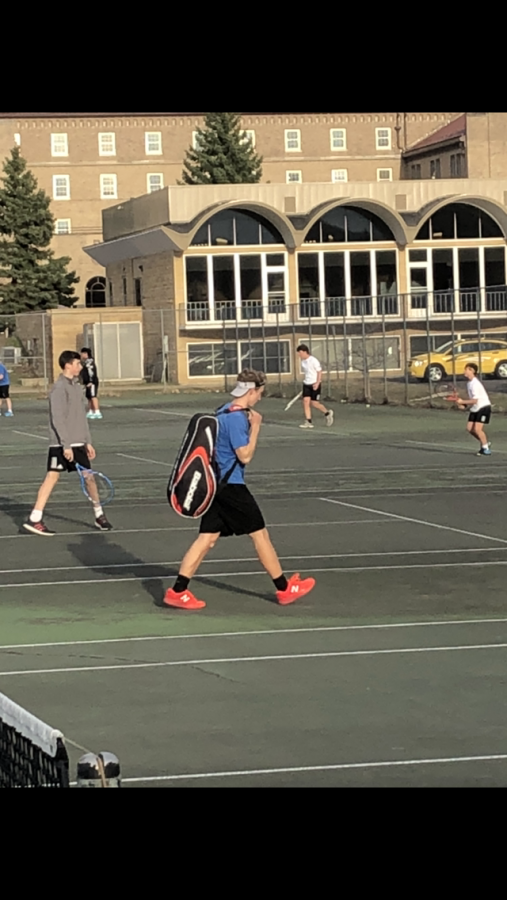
(452, 357)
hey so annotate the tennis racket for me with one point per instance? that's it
(293, 401)
(92, 481)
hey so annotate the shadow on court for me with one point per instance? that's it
(101, 558)
(18, 513)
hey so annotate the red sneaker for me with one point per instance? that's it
(295, 589)
(184, 600)
(37, 528)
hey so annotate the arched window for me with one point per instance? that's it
(348, 225)
(96, 292)
(458, 220)
(235, 228)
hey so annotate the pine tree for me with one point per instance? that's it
(223, 154)
(31, 278)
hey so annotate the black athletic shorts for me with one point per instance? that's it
(482, 416)
(58, 463)
(308, 391)
(91, 391)
(4, 392)
(233, 511)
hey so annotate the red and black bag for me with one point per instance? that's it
(195, 477)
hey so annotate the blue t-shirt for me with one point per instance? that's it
(5, 380)
(233, 433)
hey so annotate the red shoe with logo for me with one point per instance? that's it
(184, 600)
(295, 589)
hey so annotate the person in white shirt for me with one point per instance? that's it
(312, 386)
(480, 408)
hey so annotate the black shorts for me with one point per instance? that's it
(58, 463)
(4, 392)
(308, 391)
(233, 511)
(482, 416)
(91, 391)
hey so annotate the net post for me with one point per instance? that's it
(100, 770)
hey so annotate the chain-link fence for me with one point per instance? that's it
(25, 349)
(389, 349)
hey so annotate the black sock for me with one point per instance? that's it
(309, 420)
(181, 584)
(281, 583)
(326, 414)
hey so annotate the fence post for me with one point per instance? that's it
(278, 346)
(405, 346)
(294, 347)
(386, 397)
(479, 332)
(453, 338)
(366, 374)
(44, 353)
(345, 354)
(162, 337)
(428, 350)
(327, 352)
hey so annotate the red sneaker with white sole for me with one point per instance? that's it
(184, 600)
(295, 589)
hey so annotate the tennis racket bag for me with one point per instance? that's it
(195, 477)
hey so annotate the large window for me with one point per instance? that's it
(348, 283)
(234, 227)
(215, 359)
(458, 279)
(236, 286)
(347, 224)
(459, 221)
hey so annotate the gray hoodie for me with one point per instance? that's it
(68, 425)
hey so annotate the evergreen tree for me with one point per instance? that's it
(30, 276)
(223, 154)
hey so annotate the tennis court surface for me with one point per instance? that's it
(390, 673)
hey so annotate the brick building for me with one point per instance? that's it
(87, 162)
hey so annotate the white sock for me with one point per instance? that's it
(98, 511)
(485, 446)
(36, 516)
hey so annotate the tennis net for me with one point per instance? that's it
(32, 754)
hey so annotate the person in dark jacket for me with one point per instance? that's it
(90, 379)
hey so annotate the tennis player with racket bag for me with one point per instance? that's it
(208, 482)
(71, 449)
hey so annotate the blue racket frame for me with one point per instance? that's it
(82, 477)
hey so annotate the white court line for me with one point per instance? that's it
(249, 659)
(486, 537)
(252, 559)
(144, 459)
(301, 770)
(346, 569)
(454, 447)
(163, 412)
(271, 631)
(36, 436)
(95, 533)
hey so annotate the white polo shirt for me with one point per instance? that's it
(311, 367)
(477, 391)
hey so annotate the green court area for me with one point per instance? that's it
(390, 673)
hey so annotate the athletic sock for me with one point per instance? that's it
(485, 446)
(326, 414)
(181, 584)
(309, 421)
(36, 516)
(98, 511)
(281, 583)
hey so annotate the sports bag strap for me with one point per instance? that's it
(228, 474)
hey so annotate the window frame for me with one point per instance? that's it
(147, 136)
(69, 231)
(378, 138)
(67, 182)
(296, 131)
(331, 138)
(107, 134)
(62, 135)
(103, 195)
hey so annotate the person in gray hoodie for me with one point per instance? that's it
(70, 443)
